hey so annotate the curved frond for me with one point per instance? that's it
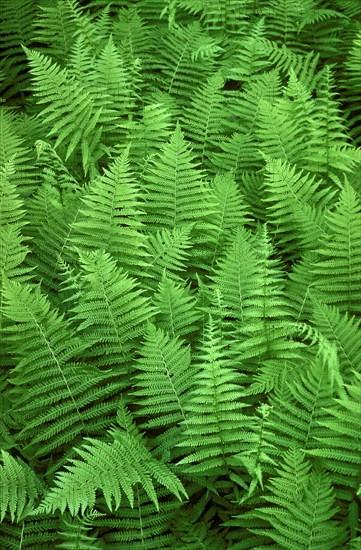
(114, 468)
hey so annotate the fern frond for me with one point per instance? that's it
(176, 308)
(55, 27)
(148, 134)
(239, 154)
(293, 196)
(181, 73)
(278, 135)
(304, 511)
(265, 87)
(33, 533)
(344, 330)
(111, 312)
(351, 88)
(203, 119)
(174, 191)
(246, 57)
(214, 421)
(338, 270)
(115, 85)
(162, 386)
(16, 29)
(295, 416)
(20, 488)
(329, 147)
(113, 468)
(141, 525)
(16, 160)
(55, 396)
(229, 214)
(75, 533)
(52, 214)
(110, 217)
(168, 250)
(340, 449)
(70, 114)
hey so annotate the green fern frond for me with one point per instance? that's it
(351, 88)
(239, 154)
(338, 270)
(148, 134)
(295, 416)
(195, 528)
(168, 250)
(203, 119)
(16, 29)
(265, 87)
(54, 212)
(32, 533)
(175, 193)
(70, 114)
(141, 526)
(55, 396)
(115, 469)
(180, 73)
(248, 56)
(344, 330)
(15, 157)
(176, 308)
(162, 386)
(229, 214)
(214, 422)
(304, 511)
(340, 449)
(55, 27)
(110, 217)
(75, 533)
(278, 135)
(329, 146)
(293, 197)
(20, 488)
(111, 312)
(11, 205)
(115, 85)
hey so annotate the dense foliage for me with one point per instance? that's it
(180, 274)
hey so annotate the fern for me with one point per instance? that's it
(141, 525)
(180, 72)
(168, 250)
(214, 418)
(20, 488)
(340, 253)
(340, 450)
(111, 208)
(174, 193)
(16, 30)
(176, 308)
(162, 386)
(70, 108)
(102, 467)
(179, 274)
(111, 312)
(203, 120)
(305, 508)
(292, 198)
(48, 374)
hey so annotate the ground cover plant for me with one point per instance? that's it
(180, 274)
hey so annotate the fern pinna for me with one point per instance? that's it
(180, 274)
